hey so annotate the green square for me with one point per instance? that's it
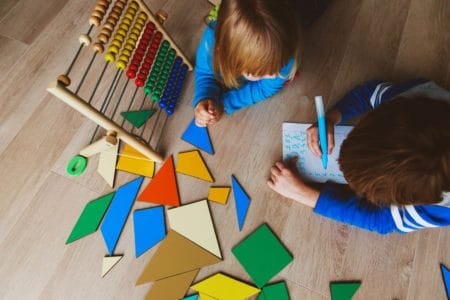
(262, 255)
(276, 291)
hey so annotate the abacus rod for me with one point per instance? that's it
(98, 83)
(85, 73)
(120, 99)
(78, 53)
(162, 131)
(154, 126)
(129, 105)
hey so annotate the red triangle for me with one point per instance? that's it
(163, 188)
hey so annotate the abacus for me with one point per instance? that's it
(142, 50)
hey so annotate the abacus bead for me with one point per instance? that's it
(131, 74)
(109, 57)
(85, 39)
(169, 111)
(121, 65)
(161, 104)
(64, 79)
(98, 48)
(94, 21)
(147, 90)
(139, 82)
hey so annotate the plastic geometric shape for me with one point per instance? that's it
(275, 291)
(118, 212)
(107, 164)
(344, 290)
(256, 251)
(194, 222)
(198, 137)
(138, 117)
(163, 188)
(90, 218)
(109, 262)
(219, 194)
(76, 165)
(206, 297)
(221, 286)
(173, 287)
(446, 278)
(191, 297)
(192, 164)
(149, 228)
(175, 255)
(242, 202)
(132, 161)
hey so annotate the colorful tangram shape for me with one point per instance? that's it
(163, 188)
(107, 164)
(132, 161)
(446, 278)
(175, 255)
(90, 218)
(138, 117)
(149, 228)
(242, 202)
(344, 290)
(223, 287)
(275, 291)
(109, 262)
(173, 287)
(118, 212)
(191, 297)
(191, 163)
(262, 255)
(198, 137)
(219, 194)
(194, 222)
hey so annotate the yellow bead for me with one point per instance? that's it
(136, 31)
(121, 32)
(116, 43)
(137, 27)
(133, 36)
(124, 27)
(134, 5)
(126, 21)
(113, 49)
(110, 57)
(126, 52)
(129, 47)
(140, 21)
(121, 65)
(143, 16)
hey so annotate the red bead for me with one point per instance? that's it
(131, 74)
(139, 82)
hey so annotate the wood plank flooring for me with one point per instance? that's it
(354, 41)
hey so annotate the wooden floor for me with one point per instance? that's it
(353, 41)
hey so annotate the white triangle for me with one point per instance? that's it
(107, 164)
(109, 262)
(194, 222)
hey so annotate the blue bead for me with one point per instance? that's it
(169, 111)
(162, 104)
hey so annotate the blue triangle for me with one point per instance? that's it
(198, 137)
(242, 202)
(191, 297)
(446, 278)
(118, 212)
(149, 228)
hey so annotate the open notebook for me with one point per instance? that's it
(309, 165)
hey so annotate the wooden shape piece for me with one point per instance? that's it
(175, 255)
(221, 286)
(118, 212)
(191, 297)
(275, 291)
(138, 117)
(446, 278)
(163, 188)
(109, 262)
(173, 287)
(198, 137)
(107, 164)
(242, 202)
(344, 290)
(260, 247)
(149, 228)
(194, 222)
(206, 297)
(219, 194)
(192, 164)
(132, 161)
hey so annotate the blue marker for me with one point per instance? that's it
(322, 130)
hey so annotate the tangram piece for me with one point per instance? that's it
(174, 287)
(132, 161)
(109, 262)
(149, 228)
(198, 137)
(343, 290)
(275, 291)
(262, 255)
(242, 202)
(191, 297)
(107, 164)
(175, 255)
(191, 163)
(163, 188)
(219, 194)
(194, 222)
(206, 297)
(90, 218)
(446, 279)
(118, 212)
(138, 117)
(223, 287)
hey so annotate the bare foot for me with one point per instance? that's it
(286, 181)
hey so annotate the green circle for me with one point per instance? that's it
(76, 165)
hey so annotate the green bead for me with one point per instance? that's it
(147, 90)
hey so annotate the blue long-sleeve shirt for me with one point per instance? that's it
(206, 85)
(338, 202)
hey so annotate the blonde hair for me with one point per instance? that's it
(255, 37)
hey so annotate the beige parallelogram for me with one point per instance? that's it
(107, 164)
(109, 262)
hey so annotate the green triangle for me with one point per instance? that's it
(138, 117)
(344, 290)
(90, 218)
(275, 291)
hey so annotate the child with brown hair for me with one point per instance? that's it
(396, 160)
(245, 57)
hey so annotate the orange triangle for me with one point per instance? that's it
(174, 287)
(174, 256)
(163, 188)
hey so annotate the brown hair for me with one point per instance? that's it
(400, 153)
(256, 37)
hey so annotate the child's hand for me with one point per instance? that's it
(312, 136)
(206, 113)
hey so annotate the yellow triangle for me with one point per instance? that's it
(219, 194)
(224, 287)
(206, 297)
(132, 161)
(191, 163)
(109, 262)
